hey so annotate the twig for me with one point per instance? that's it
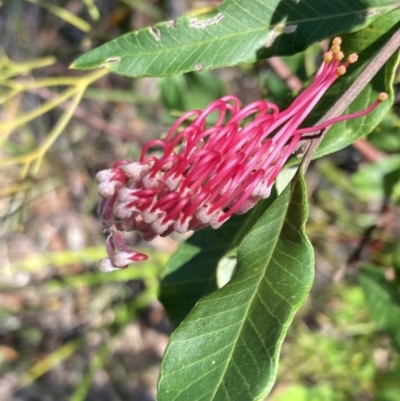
(370, 152)
(384, 222)
(294, 83)
(358, 85)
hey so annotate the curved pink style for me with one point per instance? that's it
(207, 173)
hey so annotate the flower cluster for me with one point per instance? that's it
(208, 173)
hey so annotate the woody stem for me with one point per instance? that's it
(352, 92)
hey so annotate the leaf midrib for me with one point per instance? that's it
(222, 38)
(234, 343)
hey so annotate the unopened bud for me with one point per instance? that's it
(352, 58)
(328, 57)
(335, 48)
(383, 96)
(337, 41)
(339, 56)
(341, 70)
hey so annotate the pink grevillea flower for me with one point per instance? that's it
(206, 174)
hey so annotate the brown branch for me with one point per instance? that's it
(358, 85)
(292, 81)
(383, 223)
(370, 152)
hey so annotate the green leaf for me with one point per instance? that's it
(236, 32)
(366, 44)
(191, 273)
(298, 392)
(386, 135)
(195, 90)
(383, 301)
(228, 347)
(376, 180)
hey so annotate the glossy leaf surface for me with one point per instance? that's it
(228, 346)
(237, 31)
(190, 274)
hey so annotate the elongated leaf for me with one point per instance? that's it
(366, 44)
(238, 31)
(190, 274)
(383, 301)
(227, 348)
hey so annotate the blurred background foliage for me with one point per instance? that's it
(71, 332)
